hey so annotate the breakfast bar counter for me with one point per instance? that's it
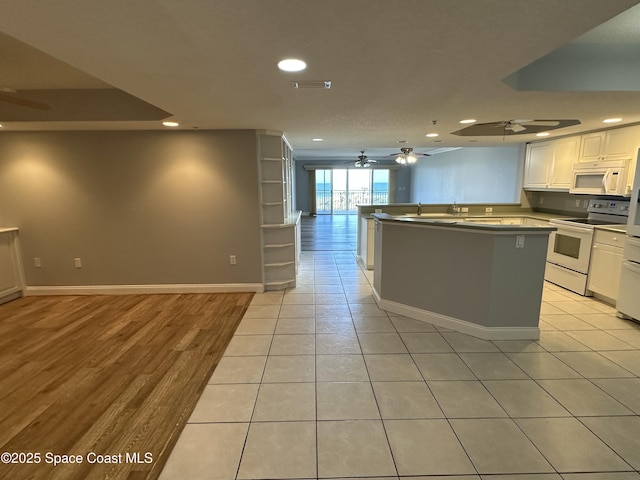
(481, 279)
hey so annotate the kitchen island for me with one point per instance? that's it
(480, 279)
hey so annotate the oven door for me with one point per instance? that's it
(570, 247)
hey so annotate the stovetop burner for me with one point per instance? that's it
(590, 221)
(601, 212)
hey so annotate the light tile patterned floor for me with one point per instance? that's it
(319, 383)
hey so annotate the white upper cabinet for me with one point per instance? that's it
(565, 155)
(548, 164)
(538, 161)
(616, 144)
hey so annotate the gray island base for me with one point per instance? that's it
(478, 279)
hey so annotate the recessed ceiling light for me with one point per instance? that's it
(468, 120)
(542, 134)
(291, 65)
(171, 124)
(1, 125)
(317, 139)
(612, 120)
(431, 135)
(402, 141)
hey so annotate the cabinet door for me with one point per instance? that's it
(564, 156)
(604, 270)
(622, 143)
(539, 158)
(592, 146)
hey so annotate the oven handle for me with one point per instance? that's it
(563, 226)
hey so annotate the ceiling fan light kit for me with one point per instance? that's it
(363, 161)
(407, 156)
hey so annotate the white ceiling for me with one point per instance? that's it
(396, 66)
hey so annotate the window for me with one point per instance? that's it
(341, 190)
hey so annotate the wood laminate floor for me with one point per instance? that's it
(329, 232)
(105, 375)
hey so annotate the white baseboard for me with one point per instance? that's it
(142, 289)
(462, 326)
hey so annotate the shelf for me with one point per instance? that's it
(280, 245)
(274, 284)
(278, 225)
(281, 264)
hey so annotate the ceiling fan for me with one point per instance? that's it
(363, 161)
(514, 127)
(10, 95)
(407, 156)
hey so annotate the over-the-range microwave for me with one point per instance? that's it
(601, 178)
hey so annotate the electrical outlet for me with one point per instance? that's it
(519, 241)
(465, 209)
(232, 259)
(37, 262)
(78, 262)
(585, 203)
(488, 210)
(578, 203)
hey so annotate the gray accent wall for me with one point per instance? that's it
(469, 175)
(139, 208)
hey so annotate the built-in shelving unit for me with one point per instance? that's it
(12, 282)
(280, 224)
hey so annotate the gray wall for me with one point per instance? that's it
(137, 207)
(469, 175)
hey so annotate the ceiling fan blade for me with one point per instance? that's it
(543, 123)
(11, 98)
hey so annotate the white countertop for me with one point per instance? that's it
(612, 228)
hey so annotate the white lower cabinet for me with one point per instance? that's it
(606, 264)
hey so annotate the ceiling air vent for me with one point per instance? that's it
(326, 84)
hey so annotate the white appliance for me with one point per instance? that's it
(628, 304)
(600, 178)
(570, 245)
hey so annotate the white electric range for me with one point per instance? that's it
(570, 245)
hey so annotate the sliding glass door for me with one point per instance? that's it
(323, 191)
(341, 190)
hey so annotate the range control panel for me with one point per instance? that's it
(611, 207)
